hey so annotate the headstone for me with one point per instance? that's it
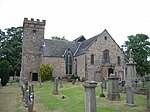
(90, 96)
(102, 89)
(0, 83)
(26, 98)
(55, 92)
(77, 82)
(31, 102)
(113, 88)
(23, 91)
(131, 71)
(148, 93)
(129, 96)
(61, 83)
(104, 83)
(40, 82)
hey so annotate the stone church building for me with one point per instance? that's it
(100, 53)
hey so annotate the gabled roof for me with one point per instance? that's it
(57, 48)
(80, 39)
(86, 44)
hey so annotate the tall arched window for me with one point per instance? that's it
(92, 59)
(69, 62)
(118, 61)
(106, 56)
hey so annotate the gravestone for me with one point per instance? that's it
(129, 96)
(90, 96)
(104, 83)
(102, 89)
(77, 82)
(0, 83)
(90, 76)
(61, 83)
(148, 93)
(113, 88)
(131, 71)
(55, 92)
(31, 102)
(40, 82)
(23, 91)
(26, 98)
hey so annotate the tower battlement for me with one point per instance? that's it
(34, 22)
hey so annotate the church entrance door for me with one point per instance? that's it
(35, 77)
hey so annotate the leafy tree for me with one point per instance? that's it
(58, 38)
(141, 51)
(4, 72)
(45, 72)
(11, 47)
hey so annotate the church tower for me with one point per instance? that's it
(33, 36)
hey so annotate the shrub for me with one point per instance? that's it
(4, 72)
(45, 72)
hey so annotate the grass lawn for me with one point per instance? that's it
(74, 100)
(45, 101)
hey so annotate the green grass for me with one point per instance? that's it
(74, 100)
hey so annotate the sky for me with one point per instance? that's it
(73, 18)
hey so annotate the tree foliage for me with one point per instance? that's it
(45, 72)
(11, 47)
(58, 38)
(141, 51)
(4, 72)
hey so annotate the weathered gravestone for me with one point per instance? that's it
(77, 82)
(61, 83)
(113, 88)
(90, 96)
(129, 96)
(148, 93)
(0, 83)
(55, 92)
(102, 89)
(31, 102)
(26, 98)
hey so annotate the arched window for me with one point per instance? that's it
(69, 62)
(106, 56)
(92, 59)
(118, 61)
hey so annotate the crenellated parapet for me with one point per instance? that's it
(32, 23)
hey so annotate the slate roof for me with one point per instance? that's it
(86, 44)
(57, 48)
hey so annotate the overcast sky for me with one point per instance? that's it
(72, 18)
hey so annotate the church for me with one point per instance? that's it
(100, 53)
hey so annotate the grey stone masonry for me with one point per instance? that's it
(148, 93)
(90, 96)
(129, 96)
(113, 88)
(55, 92)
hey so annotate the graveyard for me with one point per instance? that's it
(70, 98)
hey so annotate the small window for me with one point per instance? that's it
(106, 56)
(118, 60)
(92, 59)
(105, 37)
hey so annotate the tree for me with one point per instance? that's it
(4, 72)
(11, 47)
(141, 51)
(58, 38)
(45, 72)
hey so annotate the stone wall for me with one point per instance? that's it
(81, 66)
(105, 41)
(58, 65)
(33, 36)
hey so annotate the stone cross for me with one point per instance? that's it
(148, 93)
(55, 92)
(113, 88)
(90, 96)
